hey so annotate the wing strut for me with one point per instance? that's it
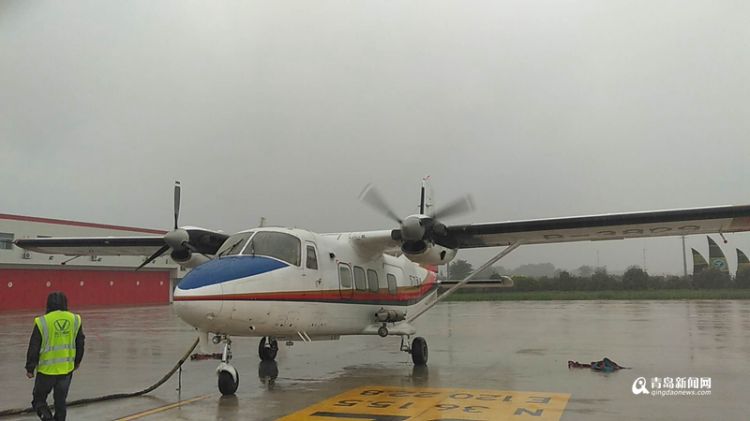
(504, 252)
(72, 258)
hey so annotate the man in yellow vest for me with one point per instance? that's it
(55, 351)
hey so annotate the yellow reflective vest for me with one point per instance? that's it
(59, 330)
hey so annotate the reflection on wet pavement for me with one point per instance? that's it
(512, 346)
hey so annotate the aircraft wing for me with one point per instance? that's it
(371, 243)
(720, 219)
(202, 240)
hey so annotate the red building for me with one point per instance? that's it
(27, 277)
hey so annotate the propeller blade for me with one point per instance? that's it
(176, 202)
(371, 196)
(421, 200)
(154, 256)
(461, 205)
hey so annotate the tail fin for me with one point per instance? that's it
(426, 197)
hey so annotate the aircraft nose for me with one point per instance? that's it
(197, 311)
(198, 297)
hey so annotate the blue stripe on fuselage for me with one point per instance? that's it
(228, 268)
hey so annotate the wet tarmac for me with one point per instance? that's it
(493, 346)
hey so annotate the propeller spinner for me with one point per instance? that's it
(178, 239)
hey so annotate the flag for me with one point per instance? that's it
(699, 263)
(742, 261)
(716, 258)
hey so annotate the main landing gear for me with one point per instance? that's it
(418, 349)
(229, 378)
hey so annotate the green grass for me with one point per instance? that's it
(655, 294)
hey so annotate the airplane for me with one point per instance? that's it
(295, 285)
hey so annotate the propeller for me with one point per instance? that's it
(178, 239)
(457, 207)
(154, 256)
(418, 227)
(371, 196)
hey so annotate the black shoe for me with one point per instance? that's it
(45, 414)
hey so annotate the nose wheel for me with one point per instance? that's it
(229, 378)
(268, 348)
(227, 383)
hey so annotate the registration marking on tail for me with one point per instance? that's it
(393, 403)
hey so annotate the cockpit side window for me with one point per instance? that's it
(278, 245)
(312, 259)
(233, 244)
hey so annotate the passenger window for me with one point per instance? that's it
(392, 287)
(359, 278)
(345, 276)
(312, 259)
(372, 280)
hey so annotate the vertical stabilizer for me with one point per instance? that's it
(426, 203)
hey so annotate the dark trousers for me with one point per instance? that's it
(45, 383)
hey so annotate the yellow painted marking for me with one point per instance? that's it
(393, 403)
(163, 408)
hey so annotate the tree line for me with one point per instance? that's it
(587, 278)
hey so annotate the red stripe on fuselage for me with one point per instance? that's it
(404, 295)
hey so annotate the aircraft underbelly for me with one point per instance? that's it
(290, 318)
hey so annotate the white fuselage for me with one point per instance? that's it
(326, 288)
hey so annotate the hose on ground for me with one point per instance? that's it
(8, 412)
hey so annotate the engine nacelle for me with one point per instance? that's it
(427, 253)
(186, 258)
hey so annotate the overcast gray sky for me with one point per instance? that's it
(287, 109)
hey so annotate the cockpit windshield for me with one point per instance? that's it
(233, 244)
(279, 245)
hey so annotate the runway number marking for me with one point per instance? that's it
(390, 403)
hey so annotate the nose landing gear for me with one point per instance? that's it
(229, 378)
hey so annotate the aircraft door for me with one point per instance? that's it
(346, 283)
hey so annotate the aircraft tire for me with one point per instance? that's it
(382, 331)
(267, 353)
(419, 351)
(227, 385)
